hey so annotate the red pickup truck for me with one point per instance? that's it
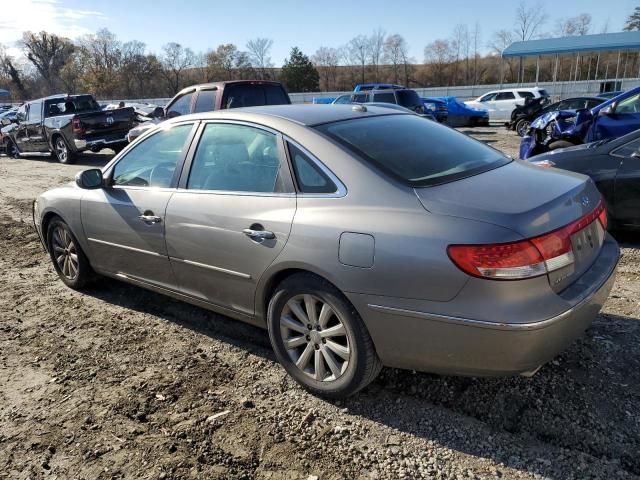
(208, 97)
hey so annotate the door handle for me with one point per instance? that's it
(259, 234)
(149, 219)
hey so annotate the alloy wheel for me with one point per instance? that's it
(61, 150)
(523, 128)
(65, 253)
(315, 337)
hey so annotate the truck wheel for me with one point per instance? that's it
(522, 126)
(558, 144)
(62, 151)
(10, 149)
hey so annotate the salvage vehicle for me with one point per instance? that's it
(433, 105)
(563, 128)
(500, 103)
(66, 125)
(614, 165)
(315, 222)
(208, 97)
(461, 115)
(522, 116)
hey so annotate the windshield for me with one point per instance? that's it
(414, 150)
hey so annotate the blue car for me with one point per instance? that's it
(460, 115)
(611, 119)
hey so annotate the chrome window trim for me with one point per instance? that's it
(614, 154)
(235, 192)
(342, 189)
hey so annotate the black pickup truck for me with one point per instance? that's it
(66, 125)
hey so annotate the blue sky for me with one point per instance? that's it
(202, 25)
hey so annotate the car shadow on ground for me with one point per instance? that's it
(89, 159)
(627, 238)
(576, 402)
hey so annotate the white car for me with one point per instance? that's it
(500, 103)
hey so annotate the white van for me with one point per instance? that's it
(500, 103)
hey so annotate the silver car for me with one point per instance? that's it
(358, 236)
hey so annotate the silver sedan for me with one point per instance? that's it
(357, 235)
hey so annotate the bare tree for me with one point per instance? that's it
(227, 62)
(175, 60)
(476, 41)
(326, 61)
(48, 53)
(579, 25)
(439, 54)
(9, 68)
(258, 52)
(100, 58)
(358, 52)
(375, 47)
(501, 40)
(395, 53)
(529, 20)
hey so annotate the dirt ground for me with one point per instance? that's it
(118, 382)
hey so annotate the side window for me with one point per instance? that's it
(488, 97)
(629, 149)
(526, 94)
(309, 176)
(153, 161)
(342, 99)
(384, 97)
(21, 114)
(35, 112)
(235, 158)
(360, 98)
(206, 101)
(181, 106)
(629, 105)
(505, 96)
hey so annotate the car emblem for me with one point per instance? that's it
(585, 201)
(110, 120)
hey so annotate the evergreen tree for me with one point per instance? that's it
(633, 21)
(299, 74)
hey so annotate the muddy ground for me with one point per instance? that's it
(118, 382)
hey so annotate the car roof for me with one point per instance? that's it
(220, 85)
(302, 114)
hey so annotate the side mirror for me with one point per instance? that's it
(89, 179)
(158, 112)
(608, 110)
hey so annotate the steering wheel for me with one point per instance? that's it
(162, 174)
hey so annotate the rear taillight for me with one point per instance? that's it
(525, 258)
(78, 128)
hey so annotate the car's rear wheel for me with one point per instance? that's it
(67, 256)
(62, 150)
(522, 127)
(319, 338)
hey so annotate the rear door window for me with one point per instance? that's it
(35, 112)
(526, 94)
(309, 176)
(360, 98)
(505, 96)
(206, 101)
(386, 97)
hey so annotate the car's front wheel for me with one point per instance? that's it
(319, 338)
(62, 150)
(522, 127)
(67, 256)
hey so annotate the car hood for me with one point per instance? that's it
(522, 197)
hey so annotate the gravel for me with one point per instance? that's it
(118, 382)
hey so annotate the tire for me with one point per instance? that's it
(67, 256)
(522, 126)
(325, 372)
(62, 151)
(10, 149)
(560, 144)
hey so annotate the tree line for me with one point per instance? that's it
(102, 64)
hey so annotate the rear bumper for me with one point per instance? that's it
(98, 143)
(424, 341)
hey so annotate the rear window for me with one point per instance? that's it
(254, 95)
(68, 105)
(416, 151)
(409, 99)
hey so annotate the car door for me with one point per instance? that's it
(487, 102)
(504, 103)
(624, 119)
(627, 184)
(21, 137)
(124, 222)
(35, 130)
(232, 214)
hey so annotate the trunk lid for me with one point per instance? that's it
(528, 199)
